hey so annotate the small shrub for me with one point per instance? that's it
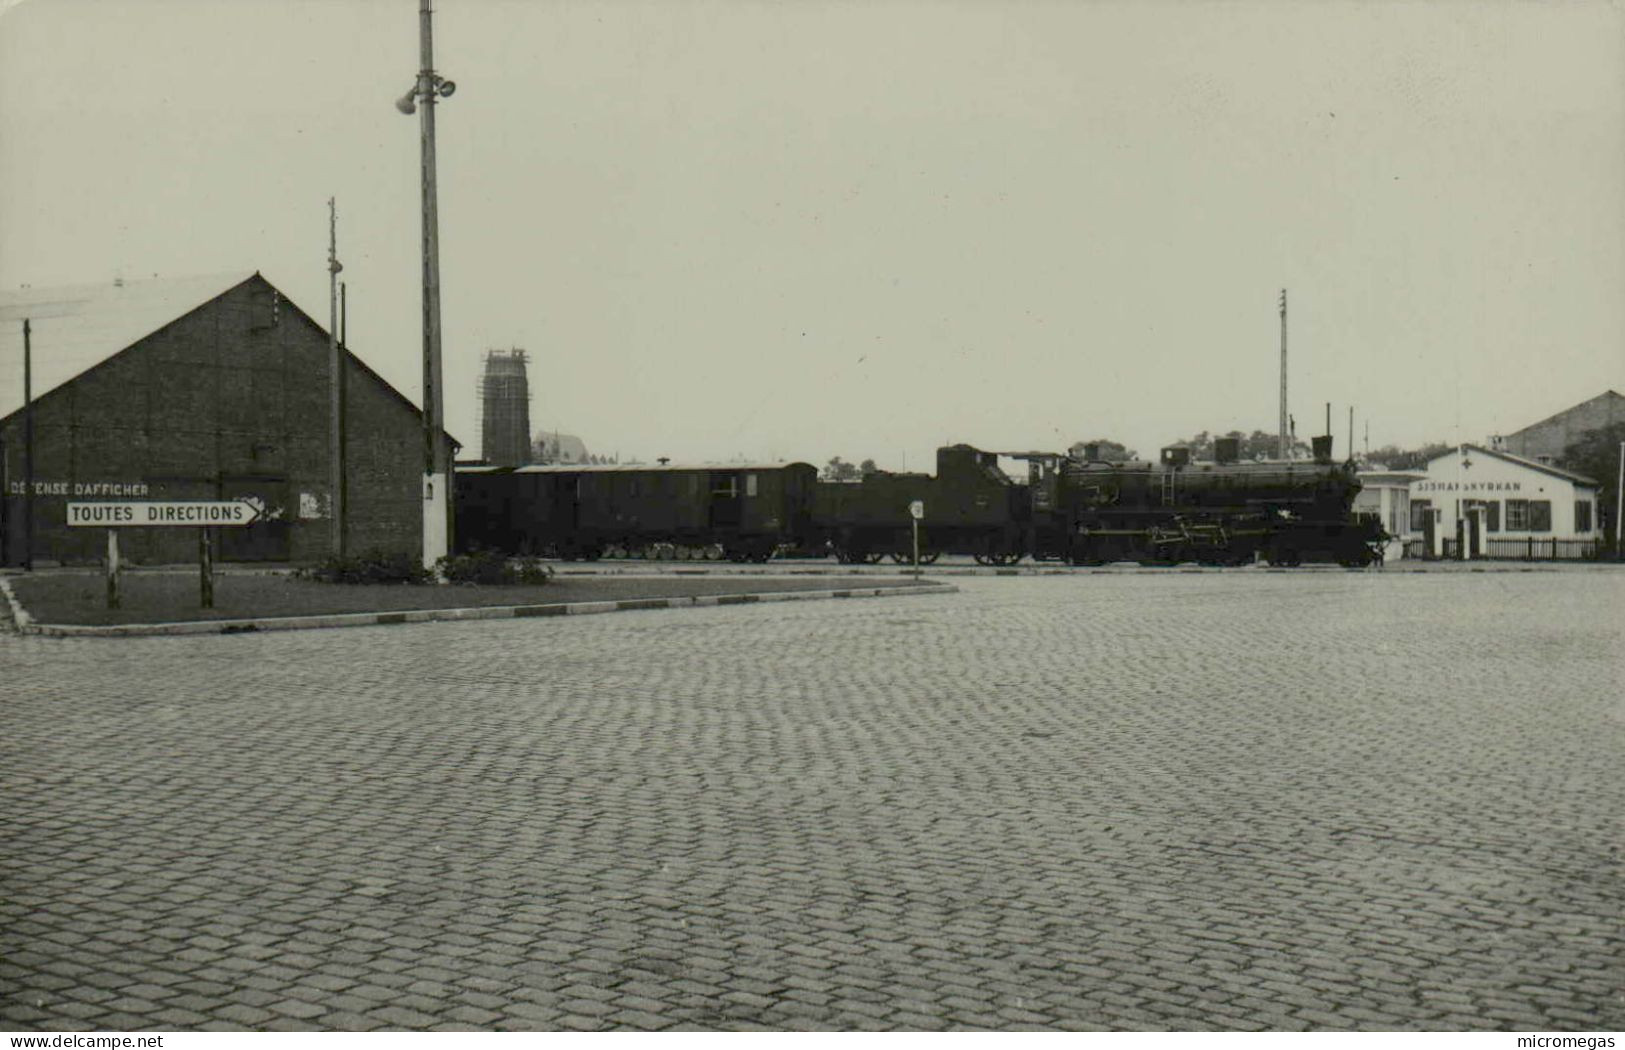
(493, 568)
(373, 567)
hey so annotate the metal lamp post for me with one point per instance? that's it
(436, 470)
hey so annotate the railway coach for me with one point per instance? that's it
(576, 511)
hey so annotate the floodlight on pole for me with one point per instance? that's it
(436, 470)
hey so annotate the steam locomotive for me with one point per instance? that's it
(1083, 510)
(1224, 512)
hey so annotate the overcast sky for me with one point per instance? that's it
(817, 228)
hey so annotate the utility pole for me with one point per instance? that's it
(28, 447)
(437, 512)
(335, 383)
(1282, 447)
(344, 409)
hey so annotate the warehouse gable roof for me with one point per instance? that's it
(76, 328)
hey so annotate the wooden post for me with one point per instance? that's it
(916, 547)
(112, 569)
(205, 560)
(28, 448)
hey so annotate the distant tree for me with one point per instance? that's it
(1114, 451)
(868, 467)
(1257, 445)
(1201, 445)
(1395, 458)
(838, 469)
(1596, 455)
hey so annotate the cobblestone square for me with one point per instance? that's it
(1208, 800)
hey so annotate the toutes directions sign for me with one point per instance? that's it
(193, 513)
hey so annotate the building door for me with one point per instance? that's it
(727, 508)
(268, 538)
(564, 513)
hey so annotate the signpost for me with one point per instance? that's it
(196, 514)
(916, 511)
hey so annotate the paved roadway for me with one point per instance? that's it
(1233, 800)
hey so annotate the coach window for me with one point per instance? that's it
(750, 484)
(1540, 515)
(726, 485)
(1582, 515)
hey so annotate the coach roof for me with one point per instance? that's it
(636, 468)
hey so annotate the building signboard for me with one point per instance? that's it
(192, 513)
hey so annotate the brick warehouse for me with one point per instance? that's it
(198, 388)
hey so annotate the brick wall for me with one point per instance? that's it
(229, 400)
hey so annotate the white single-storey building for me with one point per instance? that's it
(1481, 503)
(1387, 495)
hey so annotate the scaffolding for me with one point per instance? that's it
(505, 409)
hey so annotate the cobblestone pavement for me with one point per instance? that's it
(1190, 801)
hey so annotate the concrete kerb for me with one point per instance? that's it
(19, 616)
(1124, 569)
(26, 625)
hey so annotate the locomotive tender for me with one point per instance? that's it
(1083, 510)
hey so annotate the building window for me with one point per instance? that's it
(750, 484)
(724, 485)
(1517, 515)
(1540, 515)
(1582, 515)
(1420, 509)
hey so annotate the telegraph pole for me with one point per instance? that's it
(335, 382)
(1282, 446)
(344, 409)
(28, 447)
(436, 469)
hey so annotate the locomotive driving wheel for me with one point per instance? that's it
(1286, 557)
